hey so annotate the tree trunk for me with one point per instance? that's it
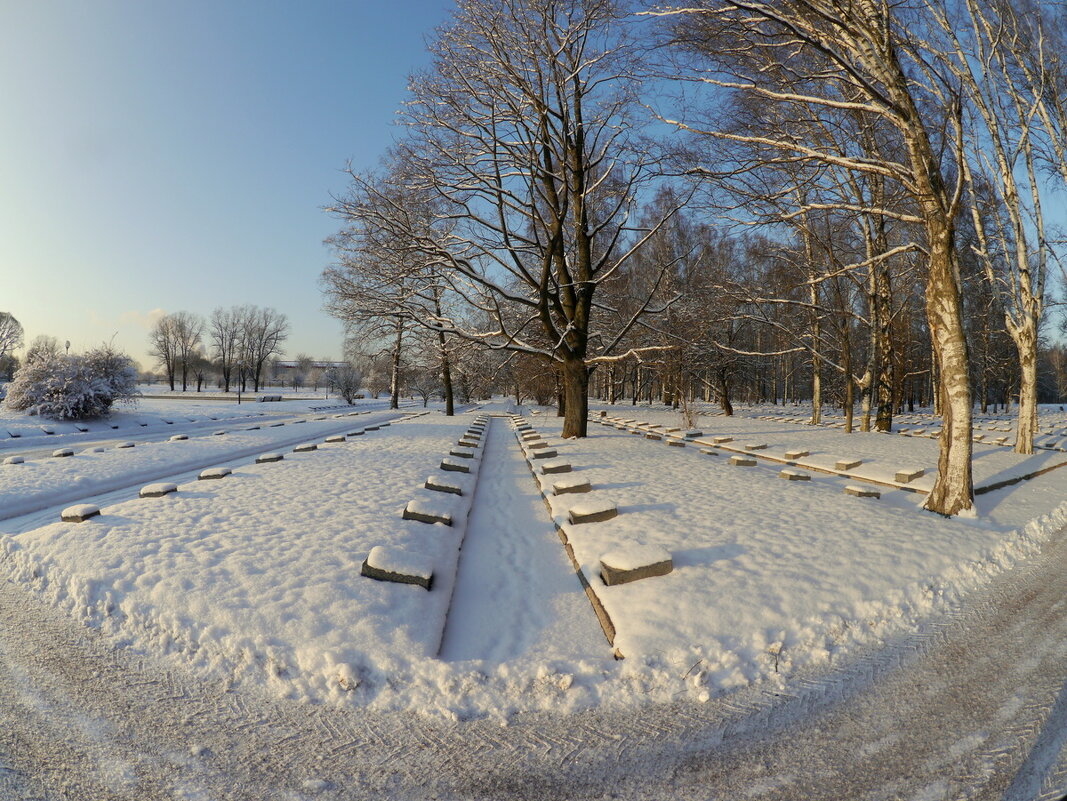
(575, 398)
(1026, 345)
(953, 490)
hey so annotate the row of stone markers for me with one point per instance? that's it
(81, 512)
(625, 562)
(746, 455)
(1050, 440)
(444, 501)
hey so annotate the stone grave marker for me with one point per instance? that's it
(633, 563)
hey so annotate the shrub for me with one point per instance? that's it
(76, 387)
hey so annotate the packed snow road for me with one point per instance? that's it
(975, 706)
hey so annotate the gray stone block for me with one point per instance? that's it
(906, 475)
(636, 564)
(79, 513)
(424, 513)
(569, 487)
(214, 473)
(592, 512)
(550, 468)
(862, 492)
(441, 484)
(378, 574)
(157, 490)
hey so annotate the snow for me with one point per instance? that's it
(256, 578)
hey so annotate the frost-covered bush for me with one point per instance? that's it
(77, 387)
(345, 381)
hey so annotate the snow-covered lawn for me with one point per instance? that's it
(256, 577)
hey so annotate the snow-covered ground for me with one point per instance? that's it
(256, 577)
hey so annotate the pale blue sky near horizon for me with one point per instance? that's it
(159, 157)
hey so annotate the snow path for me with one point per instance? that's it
(975, 707)
(516, 593)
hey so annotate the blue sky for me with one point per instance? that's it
(157, 157)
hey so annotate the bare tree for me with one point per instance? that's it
(800, 54)
(188, 332)
(526, 131)
(163, 341)
(226, 327)
(11, 334)
(263, 332)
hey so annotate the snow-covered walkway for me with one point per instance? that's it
(516, 593)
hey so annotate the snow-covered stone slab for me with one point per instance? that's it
(306, 447)
(847, 464)
(628, 563)
(468, 443)
(651, 435)
(676, 443)
(157, 490)
(756, 446)
(742, 461)
(427, 511)
(794, 475)
(536, 445)
(461, 453)
(126, 445)
(62, 452)
(401, 567)
(572, 486)
(672, 430)
(593, 512)
(179, 437)
(252, 428)
(95, 449)
(79, 513)
(709, 451)
(693, 434)
(278, 424)
(337, 438)
(797, 454)
(862, 492)
(214, 473)
(371, 428)
(442, 484)
(48, 429)
(14, 460)
(722, 440)
(454, 466)
(545, 453)
(218, 433)
(81, 428)
(918, 432)
(550, 468)
(1001, 440)
(909, 474)
(357, 433)
(267, 458)
(386, 424)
